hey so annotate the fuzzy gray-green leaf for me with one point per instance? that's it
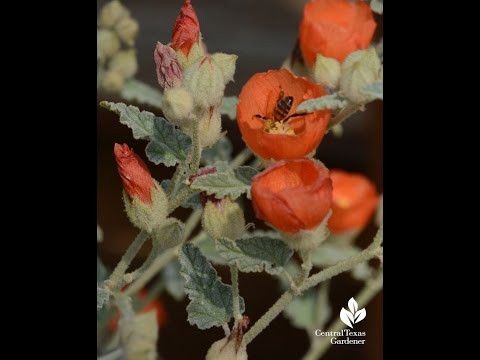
(135, 90)
(141, 122)
(221, 184)
(211, 300)
(221, 151)
(229, 107)
(333, 101)
(168, 145)
(255, 254)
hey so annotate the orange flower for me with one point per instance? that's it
(135, 175)
(292, 195)
(354, 201)
(335, 28)
(156, 305)
(186, 30)
(293, 138)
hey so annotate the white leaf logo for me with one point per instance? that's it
(354, 315)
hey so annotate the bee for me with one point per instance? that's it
(281, 109)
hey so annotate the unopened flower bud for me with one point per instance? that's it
(107, 44)
(139, 336)
(326, 71)
(226, 62)
(177, 103)
(127, 29)
(196, 52)
(204, 80)
(111, 13)
(231, 347)
(210, 128)
(145, 201)
(186, 30)
(125, 62)
(169, 72)
(223, 218)
(359, 69)
(112, 80)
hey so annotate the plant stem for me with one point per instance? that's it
(192, 222)
(288, 296)
(160, 262)
(235, 295)
(344, 114)
(371, 288)
(179, 199)
(115, 281)
(241, 158)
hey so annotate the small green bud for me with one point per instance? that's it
(111, 13)
(127, 30)
(112, 80)
(359, 69)
(125, 62)
(107, 44)
(326, 71)
(223, 218)
(147, 216)
(210, 128)
(177, 103)
(139, 336)
(196, 52)
(169, 234)
(226, 63)
(309, 240)
(204, 80)
(226, 349)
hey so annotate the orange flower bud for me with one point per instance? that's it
(335, 28)
(354, 201)
(169, 72)
(292, 195)
(186, 30)
(263, 102)
(135, 175)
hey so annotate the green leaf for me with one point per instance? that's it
(211, 300)
(136, 90)
(245, 174)
(333, 101)
(208, 249)
(377, 6)
(221, 151)
(174, 282)
(168, 145)
(311, 310)
(375, 90)
(102, 272)
(192, 202)
(229, 107)
(141, 122)
(171, 234)
(255, 254)
(221, 184)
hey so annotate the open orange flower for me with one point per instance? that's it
(156, 305)
(186, 30)
(292, 195)
(354, 201)
(270, 135)
(335, 28)
(135, 175)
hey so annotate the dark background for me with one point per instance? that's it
(262, 34)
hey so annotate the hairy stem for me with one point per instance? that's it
(196, 148)
(115, 281)
(241, 158)
(344, 114)
(371, 288)
(235, 295)
(192, 222)
(179, 199)
(288, 296)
